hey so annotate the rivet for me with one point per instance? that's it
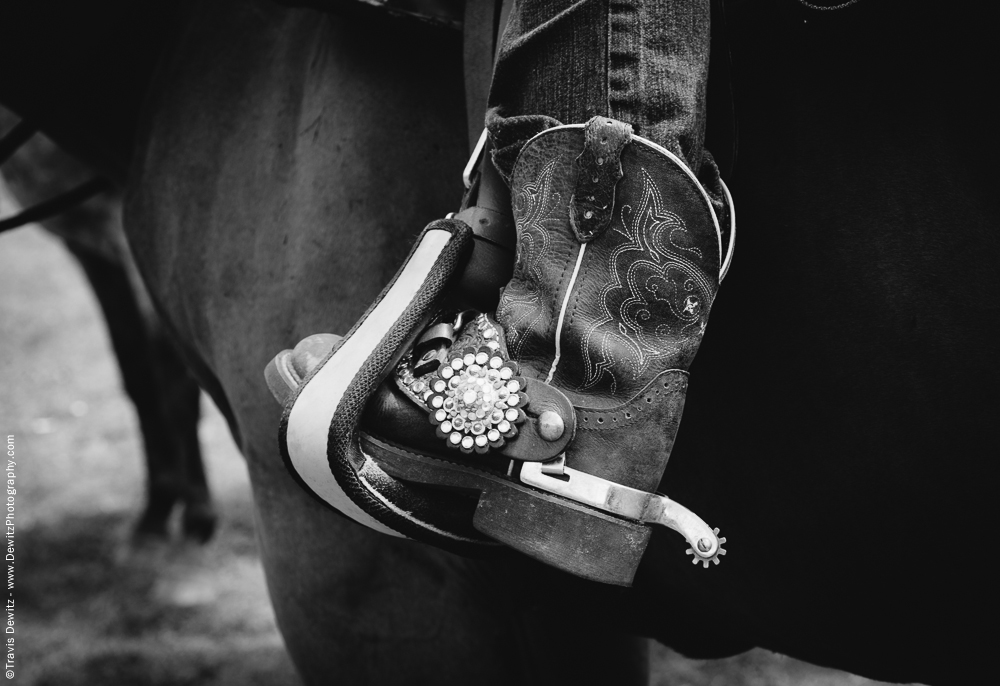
(600, 161)
(704, 545)
(588, 215)
(551, 426)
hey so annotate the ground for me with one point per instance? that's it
(92, 607)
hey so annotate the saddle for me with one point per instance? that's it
(522, 385)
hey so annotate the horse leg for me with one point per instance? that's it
(180, 407)
(165, 397)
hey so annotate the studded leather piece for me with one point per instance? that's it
(599, 168)
(614, 321)
(505, 413)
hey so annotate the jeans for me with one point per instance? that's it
(644, 62)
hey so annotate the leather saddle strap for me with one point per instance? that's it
(47, 209)
(486, 205)
(490, 216)
(483, 24)
(319, 436)
(10, 143)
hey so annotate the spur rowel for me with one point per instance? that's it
(619, 257)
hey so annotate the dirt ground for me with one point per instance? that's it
(94, 608)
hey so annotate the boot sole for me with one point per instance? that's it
(558, 532)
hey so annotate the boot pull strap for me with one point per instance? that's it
(599, 168)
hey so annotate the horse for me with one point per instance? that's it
(165, 395)
(837, 412)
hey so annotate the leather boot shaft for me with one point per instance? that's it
(611, 313)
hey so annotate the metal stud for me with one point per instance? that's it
(551, 425)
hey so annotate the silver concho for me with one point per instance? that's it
(475, 397)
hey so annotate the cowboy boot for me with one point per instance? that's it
(619, 258)
(550, 424)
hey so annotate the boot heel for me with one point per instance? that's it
(560, 533)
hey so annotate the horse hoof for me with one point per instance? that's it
(152, 525)
(199, 523)
(149, 531)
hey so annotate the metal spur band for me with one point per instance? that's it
(460, 374)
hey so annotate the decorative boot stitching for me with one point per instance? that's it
(663, 276)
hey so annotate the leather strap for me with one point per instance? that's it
(57, 205)
(479, 45)
(489, 224)
(11, 141)
(599, 168)
(486, 209)
(483, 24)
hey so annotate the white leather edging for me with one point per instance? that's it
(732, 232)
(309, 419)
(562, 313)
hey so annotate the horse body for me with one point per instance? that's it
(840, 411)
(836, 414)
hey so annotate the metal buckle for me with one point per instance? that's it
(477, 154)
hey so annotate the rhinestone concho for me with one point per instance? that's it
(476, 400)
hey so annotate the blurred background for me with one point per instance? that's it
(98, 605)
